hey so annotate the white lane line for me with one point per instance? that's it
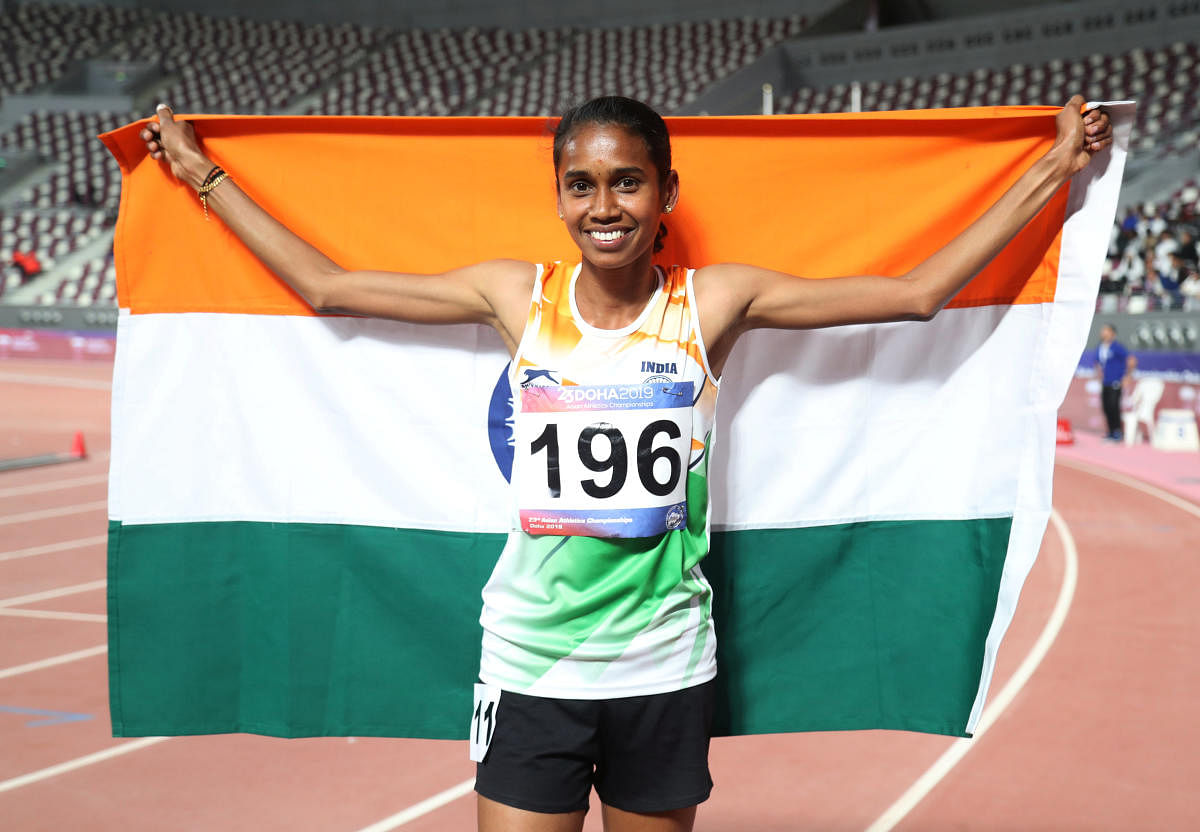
(1132, 482)
(54, 615)
(423, 808)
(51, 548)
(17, 670)
(959, 748)
(53, 485)
(79, 762)
(47, 513)
(32, 598)
(57, 381)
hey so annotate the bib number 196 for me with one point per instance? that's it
(603, 460)
(615, 458)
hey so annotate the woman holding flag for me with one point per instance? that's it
(598, 648)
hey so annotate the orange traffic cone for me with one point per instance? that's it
(78, 448)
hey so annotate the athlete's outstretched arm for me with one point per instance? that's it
(737, 298)
(496, 292)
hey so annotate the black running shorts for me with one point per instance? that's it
(642, 753)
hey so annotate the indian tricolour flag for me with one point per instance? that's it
(303, 508)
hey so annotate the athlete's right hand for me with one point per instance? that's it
(175, 143)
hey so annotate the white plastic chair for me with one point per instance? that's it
(1143, 402)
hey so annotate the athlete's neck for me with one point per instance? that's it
(614, 298)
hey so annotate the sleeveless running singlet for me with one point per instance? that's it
(576, 616)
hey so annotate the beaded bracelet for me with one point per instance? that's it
(215, 177)
(212, 173)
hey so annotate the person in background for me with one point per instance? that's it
(1129, 273)
(1177, 273)
(1187, 248)
(1129, 223)
(1163, 249)
(1113, 364)
(1151, 284)
(1190, 290)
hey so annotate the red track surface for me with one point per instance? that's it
(1103, 735)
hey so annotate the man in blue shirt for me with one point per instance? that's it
(1114, 363)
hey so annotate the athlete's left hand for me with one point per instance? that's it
(1081, 134)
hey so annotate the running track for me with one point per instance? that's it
(1102, 733)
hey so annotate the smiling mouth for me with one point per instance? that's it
(607, 236)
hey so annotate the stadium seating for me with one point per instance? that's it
(39, 41)
(243, 66)
(212, 64)
(1164, 81)
(666, 66)
(93, 282)
(91, 178)
(539, 72)
(1138, 256)
(437, 73)
(51, 234)
(74, 205)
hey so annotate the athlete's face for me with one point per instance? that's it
(609, 194)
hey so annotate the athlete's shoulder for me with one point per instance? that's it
(507, 269)
(724, 283)
(497, 276)
(724, 271)
(506, 286)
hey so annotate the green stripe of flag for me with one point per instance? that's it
(303, 629)
(851, 626)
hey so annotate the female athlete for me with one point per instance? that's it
(596, 619)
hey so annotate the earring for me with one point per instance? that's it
(668, 209)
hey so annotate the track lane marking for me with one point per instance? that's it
(17, 670)
(78, 762)
(51, 548)
(47, 513)
(53, 485)
(54, 615)
(423, 808)
(56, 381)
(34, 597)
(959, 748)
(1132, 482)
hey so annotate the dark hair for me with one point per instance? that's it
(636, 117)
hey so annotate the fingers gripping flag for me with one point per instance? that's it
(303, 508)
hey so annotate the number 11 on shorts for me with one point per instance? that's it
(483, 720)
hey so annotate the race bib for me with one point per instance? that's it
(605, 460)
(485, 705)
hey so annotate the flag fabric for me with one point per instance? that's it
(303, 509)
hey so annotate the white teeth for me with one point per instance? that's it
(606, 236)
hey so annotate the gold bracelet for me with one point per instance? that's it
(215, 178)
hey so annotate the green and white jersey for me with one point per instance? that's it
(598, 592)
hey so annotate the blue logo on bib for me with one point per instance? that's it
(500, 424)
(676, 516)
